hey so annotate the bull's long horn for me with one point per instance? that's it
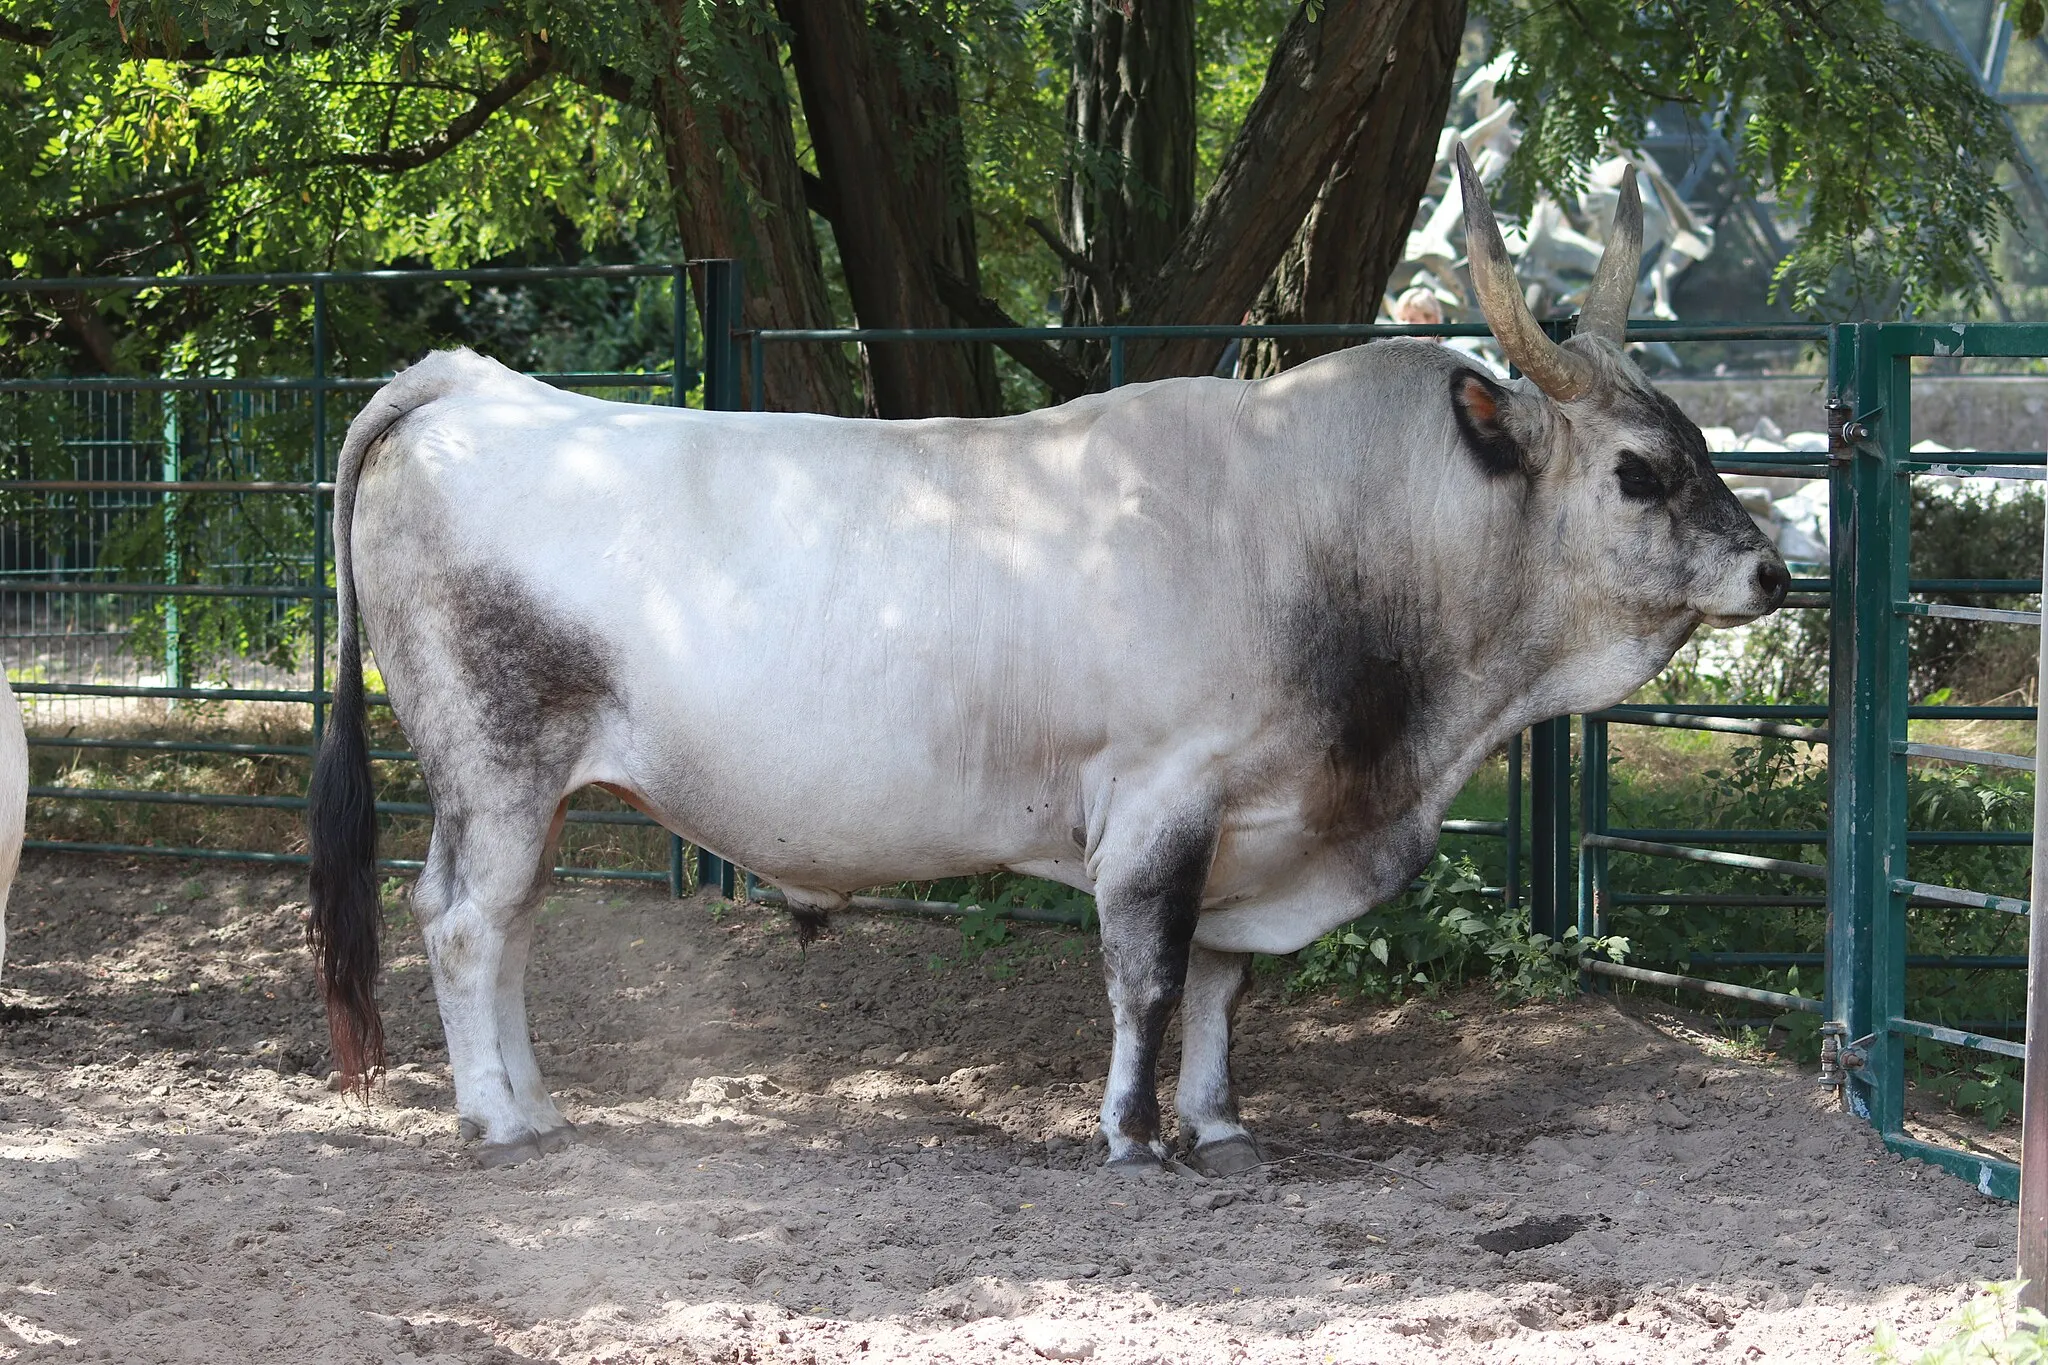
(1605, 311)
(1556, 371)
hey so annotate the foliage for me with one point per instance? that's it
(983, 928)
(198, 135)
(1442, 931)
(1973, 532)
(1990, 1089)
(321, 137)
(989, 903)
(1990, 1329)
(1884, 145)
(1777, 785)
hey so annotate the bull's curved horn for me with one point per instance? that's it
(1605, 311)
(1556, 371)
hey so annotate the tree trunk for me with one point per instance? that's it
(880, 98)
(1129, 190)
(1357, 230)
(739, 193)
(1324, 74)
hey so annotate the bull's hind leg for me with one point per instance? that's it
(1149, 907)
(485, 878)
(1205, 1097)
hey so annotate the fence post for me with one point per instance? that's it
(1511, 883)
(678, 396)
(319, 612)
(1550, 825)
(2033, 1239)
(720, 304)
(1592, 820)
(1550, 787)
(1866, 696)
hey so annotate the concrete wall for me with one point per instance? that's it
(1960, 412)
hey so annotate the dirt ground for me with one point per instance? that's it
(881, 1149)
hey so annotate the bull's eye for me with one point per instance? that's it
(1638, 480)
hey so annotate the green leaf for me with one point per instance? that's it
(2028, 20)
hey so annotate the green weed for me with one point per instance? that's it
(1991, 1329)
(1443, 932)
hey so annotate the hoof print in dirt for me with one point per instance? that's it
(1529, 1234)
(25, 1011)
(1232, 1156)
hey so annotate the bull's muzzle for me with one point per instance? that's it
(1760, 593)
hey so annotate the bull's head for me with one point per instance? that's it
(1626, 472)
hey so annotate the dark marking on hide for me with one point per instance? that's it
(1480, 406)
(1356, 651)
(538, 682)
(1148, 929)
(1678, 453)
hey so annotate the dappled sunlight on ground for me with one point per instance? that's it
(881, 1149)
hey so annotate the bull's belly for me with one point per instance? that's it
(823, 832)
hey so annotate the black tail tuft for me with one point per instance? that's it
(341, 828)
(810, 923)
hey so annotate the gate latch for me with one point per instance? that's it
(1840, 1058)
(1845, 429)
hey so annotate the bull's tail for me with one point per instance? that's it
(341, 813)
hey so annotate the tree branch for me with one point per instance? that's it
(1069, 257)
(391, 162)
(1324, 71)
(608, 81)
(1043, 360)
(440, 144)
(819, 199)
(28, 37)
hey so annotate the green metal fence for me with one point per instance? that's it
(1564, 852)
(129, 450)
(1873, 896)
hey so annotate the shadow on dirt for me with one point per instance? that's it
(883, 1148)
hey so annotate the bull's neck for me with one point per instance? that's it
(1512, 646)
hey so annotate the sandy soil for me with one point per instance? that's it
(881, 1150)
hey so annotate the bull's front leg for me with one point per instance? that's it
(1206, 1099)
(1149, 905)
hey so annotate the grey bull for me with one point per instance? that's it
(1219, 652)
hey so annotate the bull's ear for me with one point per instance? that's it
(1481, 407)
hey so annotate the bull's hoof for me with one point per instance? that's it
(469, 1130)
(1135, 1165)
(1231, 1156)
(495, 1154)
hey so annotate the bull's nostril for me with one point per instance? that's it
(1773, 577)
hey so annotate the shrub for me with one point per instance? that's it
(1444, 931)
